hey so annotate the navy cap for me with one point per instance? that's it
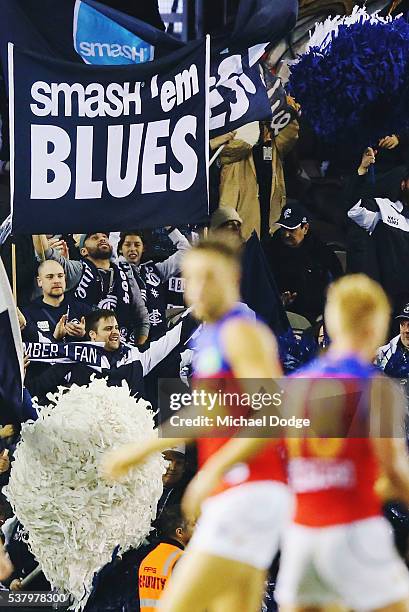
(292, 216)
(404, 314)
(83, 237)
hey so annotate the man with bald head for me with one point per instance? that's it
(56, 314)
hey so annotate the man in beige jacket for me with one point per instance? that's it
(238, 183)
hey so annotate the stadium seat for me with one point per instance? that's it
(298, 322)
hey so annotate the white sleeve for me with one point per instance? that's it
(159, 349)
(367, 219)
(171, 266)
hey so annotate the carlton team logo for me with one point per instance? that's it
(151, 278)
(109, 303)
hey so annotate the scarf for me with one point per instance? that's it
(114, 295)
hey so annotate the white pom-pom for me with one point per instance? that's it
(325, 31)
(74, 518)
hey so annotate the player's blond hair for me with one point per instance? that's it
(357, 301)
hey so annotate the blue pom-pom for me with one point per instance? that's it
(296, 352)
(397, 366)
(356, 87)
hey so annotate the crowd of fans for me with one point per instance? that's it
(317, 214)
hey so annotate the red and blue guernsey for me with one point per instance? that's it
(213, 371)
(334, 478)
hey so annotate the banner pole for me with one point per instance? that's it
(216, 155)
(26, 581)
(14, 270)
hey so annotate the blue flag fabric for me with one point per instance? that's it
(117, 30)
(91, 31)
(259, 291)
(37, 27)
(46, 26)
(103, 35)
(263, 21)
(120, 147)
(237, 92)
(11, 348)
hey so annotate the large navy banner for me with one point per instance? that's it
(108, 146)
